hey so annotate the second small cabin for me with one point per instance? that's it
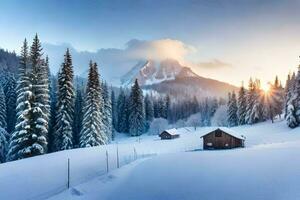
(169, 134)
(222, 138)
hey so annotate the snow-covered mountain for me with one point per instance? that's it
(169, 76)
(150, 72)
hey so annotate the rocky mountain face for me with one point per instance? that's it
(170, 77)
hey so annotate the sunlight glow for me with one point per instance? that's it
(266, 87)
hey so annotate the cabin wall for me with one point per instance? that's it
(226, 141)
(166, 136)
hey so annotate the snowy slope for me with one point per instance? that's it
(152, 72)
(270, 148)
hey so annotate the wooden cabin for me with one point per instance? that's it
(169, 134)
(222, 138)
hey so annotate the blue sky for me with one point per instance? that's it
(255, 35)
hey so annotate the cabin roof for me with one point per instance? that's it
(228, 131)
(172, 131)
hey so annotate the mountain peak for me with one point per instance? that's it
(152, 72)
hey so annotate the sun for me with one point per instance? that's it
(266, 87)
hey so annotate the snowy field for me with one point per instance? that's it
(268, 168)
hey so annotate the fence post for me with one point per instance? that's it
(118, 162)
(134, 153)
(107, 161)
(68, 183)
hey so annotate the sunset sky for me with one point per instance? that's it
(228, 40)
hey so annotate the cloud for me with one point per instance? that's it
(213, 64)
(159, 49)
(115, 62)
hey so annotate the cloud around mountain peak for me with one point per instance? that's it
(116, 62)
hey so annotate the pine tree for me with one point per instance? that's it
(149, 111)
(106, 112)
(161, 108)
(257, 111)
(48, 75)
(23, 142)
(122, 112)
(250, 101)
(136, 111)
(52, 121)
(277, 98)
(287, 94)
(3, 144)
(291, 103)
(205, 113)
(78, 115)
(297, 96)
(92, 133)
(3, 123)
(242, 105)
(10, 101)
(232, 111)
(65, 105)
(195, 105)
(40, 99)
(167, 107)
(114, 111)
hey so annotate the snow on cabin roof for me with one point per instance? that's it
(172, 131)
(227, 130)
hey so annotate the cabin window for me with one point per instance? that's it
(209, 144)
(218, 133)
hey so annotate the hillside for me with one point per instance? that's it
(269, 149)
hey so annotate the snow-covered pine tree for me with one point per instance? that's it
(232, 111)
(47, 69)
(257, 112)
(114, 113)
(3, 144)
(286, 93)
(65, 105)
(52, 121)
(22, 140)
(3, 123)
(106, 111)
(250, 101)
(122, 112)
(136, 111)
(93, 132)
(41, 99)
(10, 99)
(242, 105)
(297, 96)
(78, 114)
(291, 103)
(277, 97)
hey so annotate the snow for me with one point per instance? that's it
(268, 168)
(229, 131)
(172, 131)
